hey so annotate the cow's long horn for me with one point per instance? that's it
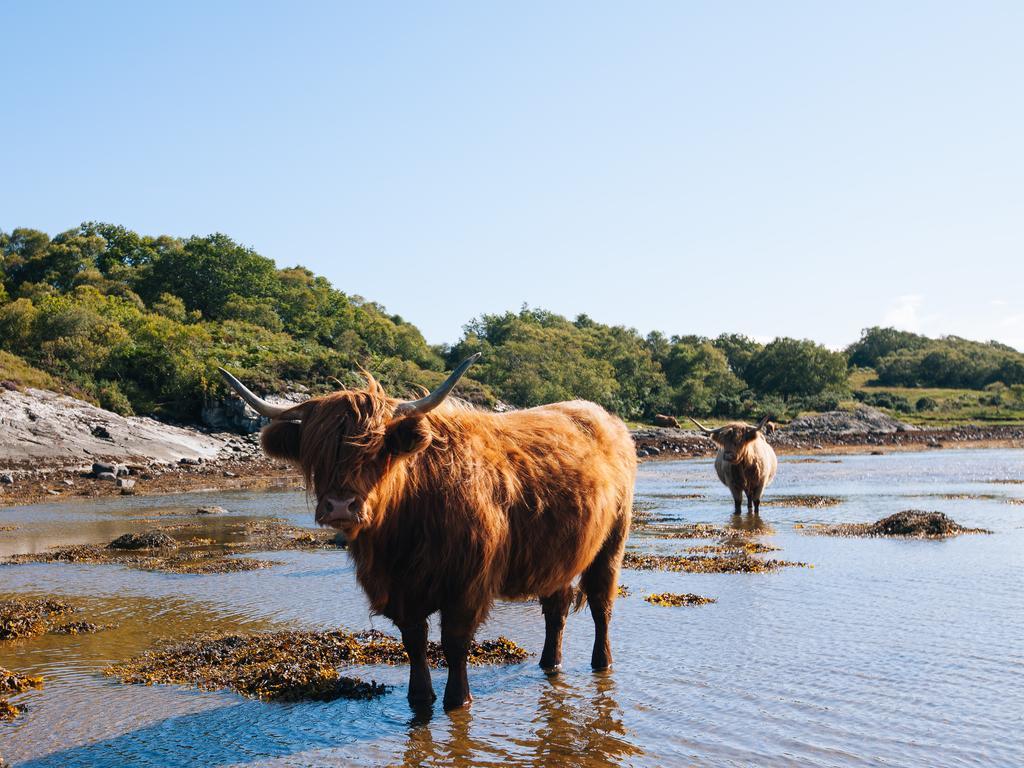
(261, 406)
(702, 428)
(764, 420)
(430, 401)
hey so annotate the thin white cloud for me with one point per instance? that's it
(905, 313)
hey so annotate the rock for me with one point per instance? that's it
(52, 492)
(7, 478)
(121, 470)
(44, 426)
(914, 522)
(125, 483)
(69, 483)
(101, 432)
(862, 420)
(146, 540)
(229, 474)
(106, 476)
(189, 462)
(211, 510)
(102, 467)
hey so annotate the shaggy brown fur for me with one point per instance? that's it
(745, 462)
(450, 510)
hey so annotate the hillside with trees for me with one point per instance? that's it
(139, 324)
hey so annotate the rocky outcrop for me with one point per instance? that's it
(862, 420)
(41, 426)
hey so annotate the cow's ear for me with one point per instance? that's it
(281, 439)
(407, 436)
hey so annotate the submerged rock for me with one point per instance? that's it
(147, 540)
(910, 523)
(211, 510)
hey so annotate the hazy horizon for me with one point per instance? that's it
(792, 170)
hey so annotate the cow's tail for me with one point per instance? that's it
(579, 598)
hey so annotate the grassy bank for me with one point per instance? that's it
(936, 407)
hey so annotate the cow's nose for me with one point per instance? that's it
(334, 510)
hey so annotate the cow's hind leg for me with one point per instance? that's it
(600, 582)
(555, 607)
(457, 628)
(414, 637)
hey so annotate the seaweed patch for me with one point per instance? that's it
(289, 666)
(27, 618)
(157, 551)
(13, 683)
(672, 600)
(732, 563)
(806, 501)
(910, 523)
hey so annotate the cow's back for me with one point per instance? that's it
(576, 487)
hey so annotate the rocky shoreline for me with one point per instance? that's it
(55, 448)
(667, 443)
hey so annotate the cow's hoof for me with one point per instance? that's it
(457, 702)
(550, 665)
(422, 699)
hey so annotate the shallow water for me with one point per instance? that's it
(887, 652)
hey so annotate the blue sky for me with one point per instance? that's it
(785, 168)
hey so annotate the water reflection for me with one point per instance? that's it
(571, 727)
(580, 730)
(752, 524)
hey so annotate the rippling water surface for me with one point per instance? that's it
(886, 652)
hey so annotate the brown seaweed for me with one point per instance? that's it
(26, 618)
(672, 600)
(289, 666)
(733, 563)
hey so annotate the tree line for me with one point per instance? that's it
(140, 323)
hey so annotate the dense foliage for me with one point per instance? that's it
(139, 324)
(910, 360)
(534, 356)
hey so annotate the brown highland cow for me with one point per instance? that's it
(447, 508)
(745, 462)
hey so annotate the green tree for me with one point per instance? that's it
(876, 343)
(207, 271)
(792, 367)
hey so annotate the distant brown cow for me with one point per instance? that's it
(447, 508)
(745, 462)
(661, 420)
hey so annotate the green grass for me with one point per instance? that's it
(955, 406)
(14, 368)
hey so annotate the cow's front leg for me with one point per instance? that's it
(414, 637)
(555, 607)
(737, 500)
(456, 636)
